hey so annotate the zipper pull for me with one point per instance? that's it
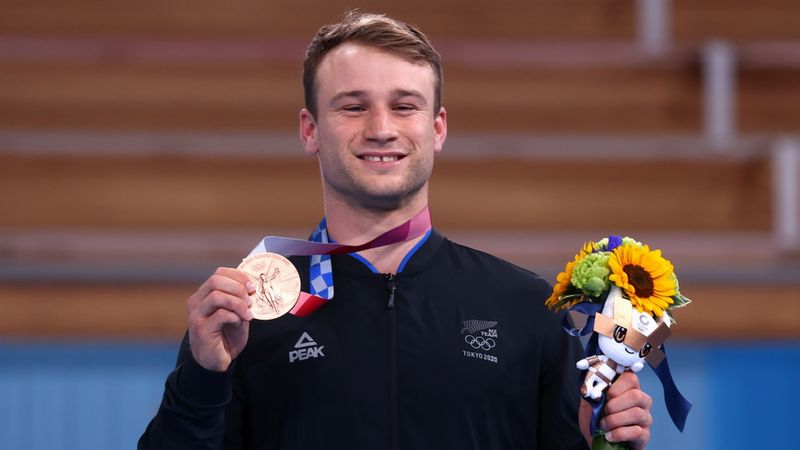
(390, 286)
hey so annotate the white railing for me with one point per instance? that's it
(786, 194)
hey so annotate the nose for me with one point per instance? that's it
(380, 128)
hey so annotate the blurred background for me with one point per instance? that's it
(143, 144)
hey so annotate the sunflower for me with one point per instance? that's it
(645, 276)
(563, 281)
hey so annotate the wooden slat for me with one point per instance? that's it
(158, 311)
(692, 20)
(649, 194)
(769, 99)
(738, 20)
(159, 192)
(737, 311)
(236, 97)
(131, 96)
(259, 96)
(617, 100)
(182, 192)
(554, 19)
(114, 311)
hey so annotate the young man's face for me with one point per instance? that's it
(376, 131)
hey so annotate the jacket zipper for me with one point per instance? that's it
(391, 287)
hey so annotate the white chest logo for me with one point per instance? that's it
(305, 348)
(481, 337)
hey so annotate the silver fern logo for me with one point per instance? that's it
(480, 336)
(473, 326)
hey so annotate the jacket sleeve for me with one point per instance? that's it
(193, 409)
(559, 397)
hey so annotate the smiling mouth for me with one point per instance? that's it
(628, 351)
(376, 158)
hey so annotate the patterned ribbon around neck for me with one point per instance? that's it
(320, 249)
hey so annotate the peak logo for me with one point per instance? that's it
(305, 348)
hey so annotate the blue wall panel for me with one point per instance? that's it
(65, 396)
(79, 395)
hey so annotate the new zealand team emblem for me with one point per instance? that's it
(481, 338)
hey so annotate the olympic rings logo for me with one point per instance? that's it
(479, 342)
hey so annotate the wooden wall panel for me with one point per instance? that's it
(499, 193)
(739, 311)
(738, 20)
(614, 100)
(268, 97)
(94, 310)
(150, 96)
(692, 20)
(161, 192)
(648, 194)
(769, 100)
(236, 97)
(549, 19)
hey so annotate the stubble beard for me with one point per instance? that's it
(358, 193)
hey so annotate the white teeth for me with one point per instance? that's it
(380, 158)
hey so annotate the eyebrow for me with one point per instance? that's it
(345, 94)
(410, 93)
(397, 93)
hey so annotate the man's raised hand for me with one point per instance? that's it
(219, 318)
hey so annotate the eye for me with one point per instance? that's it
(645, 350)
(619, 333)
(353, 108)
(405, 108)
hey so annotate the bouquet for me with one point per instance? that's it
(627, 292)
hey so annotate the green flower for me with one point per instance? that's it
(590, 274)
(631, 241)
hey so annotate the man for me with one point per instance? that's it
(426, 344)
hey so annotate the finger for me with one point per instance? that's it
(636, 436)
(625, 381)
(237, 275)
(236, 333)
(221, 282)
(218, 339)
(229, 280)
(628, 417)
(632, 398)
(223, 319)
(222, 300)
(214, 324)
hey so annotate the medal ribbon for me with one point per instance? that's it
(319, 248)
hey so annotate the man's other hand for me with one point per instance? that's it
(627, 412)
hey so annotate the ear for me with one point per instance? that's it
(439, 130)
(309, 132)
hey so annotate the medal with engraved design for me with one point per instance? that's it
(277, 284)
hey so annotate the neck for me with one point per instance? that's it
(351, 224)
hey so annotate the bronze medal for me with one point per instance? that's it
(277, 284)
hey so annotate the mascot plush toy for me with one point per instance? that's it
(626, 339)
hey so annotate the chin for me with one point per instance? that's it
(382, 202)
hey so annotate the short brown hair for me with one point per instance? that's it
(374, 30)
